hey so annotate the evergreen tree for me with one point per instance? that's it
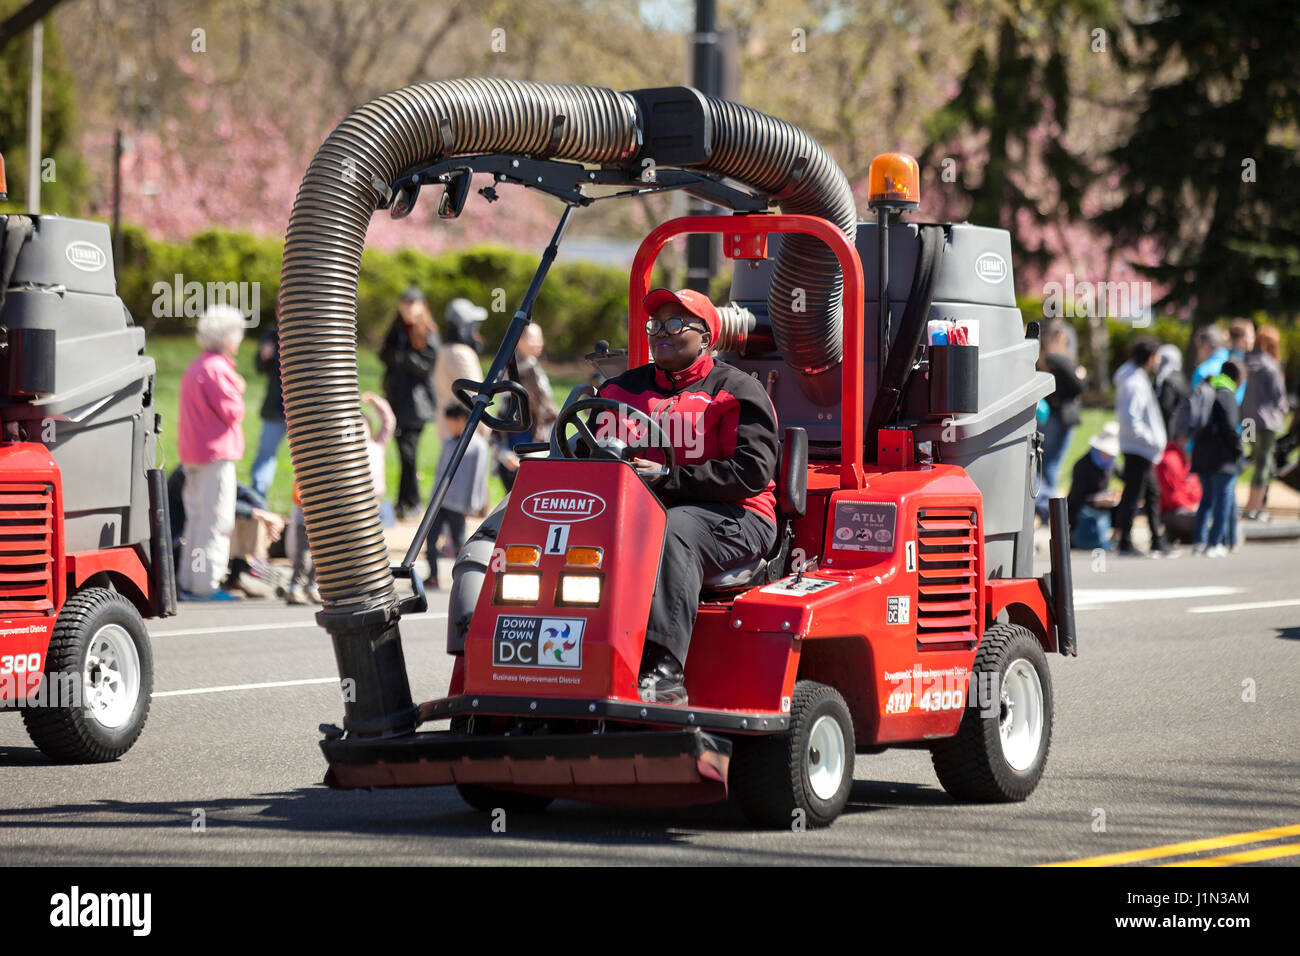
(1006, 122)
(1212, 168)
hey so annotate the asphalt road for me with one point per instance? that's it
(1153, 746)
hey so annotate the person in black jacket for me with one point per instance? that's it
(720, 495)
(409, 354)
(1170, 384)
(1216, 459)
(1064, 410)
(1090, 482)
(273, 426)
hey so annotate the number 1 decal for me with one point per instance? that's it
(557, 536)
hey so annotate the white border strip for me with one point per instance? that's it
(231, 687)
(1220, 608)
(286, 626)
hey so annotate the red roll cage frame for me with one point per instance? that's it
(745, 238)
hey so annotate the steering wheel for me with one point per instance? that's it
(582, 414)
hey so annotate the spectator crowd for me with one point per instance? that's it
(1173, 453)
(224, 533)
(1177, 445)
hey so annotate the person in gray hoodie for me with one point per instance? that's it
(1142, 439)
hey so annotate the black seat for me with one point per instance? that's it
(791, 501)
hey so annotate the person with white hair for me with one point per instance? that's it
(210, 439)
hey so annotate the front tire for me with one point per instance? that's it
(999, 753)
(99, 657)
(807, 771)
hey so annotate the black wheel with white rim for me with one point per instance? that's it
(98, 680)
(1000, 750)
(803, 775)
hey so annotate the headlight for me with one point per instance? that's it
(579, 589)
(521, 588)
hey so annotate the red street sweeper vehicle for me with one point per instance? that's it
(84, 547)
(898, 607)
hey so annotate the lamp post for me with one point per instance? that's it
(34, 123)
(706, 74)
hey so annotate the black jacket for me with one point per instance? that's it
(722, 428)
(1087, 480)
(1217, 446)
(273, 403)
(1064, 400)
(1171, 393)
(408, 376)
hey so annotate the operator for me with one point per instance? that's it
(719, 496)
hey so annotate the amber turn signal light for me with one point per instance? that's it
(523, 554)
(584, 557)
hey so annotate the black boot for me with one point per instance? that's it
(662, 680)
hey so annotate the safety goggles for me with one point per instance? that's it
(673, 325)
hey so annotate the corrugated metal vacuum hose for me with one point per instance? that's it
(322, 258)
(805, 298)
(401, 130)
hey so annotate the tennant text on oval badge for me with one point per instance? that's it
(563, 506)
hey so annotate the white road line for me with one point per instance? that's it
(1217, 608)
(222, 690)
(1095, 597)
(288, 625)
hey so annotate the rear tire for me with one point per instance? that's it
(998, 756)
(99, 652)
(487, 799)
(808, 769)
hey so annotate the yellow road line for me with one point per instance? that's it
(1246, 856)
(1178, 849)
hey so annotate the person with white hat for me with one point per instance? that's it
(1090, 498)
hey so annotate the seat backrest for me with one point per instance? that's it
(792, 474)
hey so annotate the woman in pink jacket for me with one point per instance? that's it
(210, 439)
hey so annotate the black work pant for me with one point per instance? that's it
(408, 445)
(1140, 489)
(700, 540)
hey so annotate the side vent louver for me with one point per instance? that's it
(946, 575)
(26, 531)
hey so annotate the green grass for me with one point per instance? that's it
(173, 354)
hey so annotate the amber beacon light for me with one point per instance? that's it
(893, 186)
(894, 180)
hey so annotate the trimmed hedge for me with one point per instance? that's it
(579, 303)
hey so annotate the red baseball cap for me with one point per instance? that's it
(695, 303)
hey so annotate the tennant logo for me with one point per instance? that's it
(86, 256)
(563, 506)
(991, 267)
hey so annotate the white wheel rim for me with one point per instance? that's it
(111, 677)
(825, 758)
(1020, 718)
